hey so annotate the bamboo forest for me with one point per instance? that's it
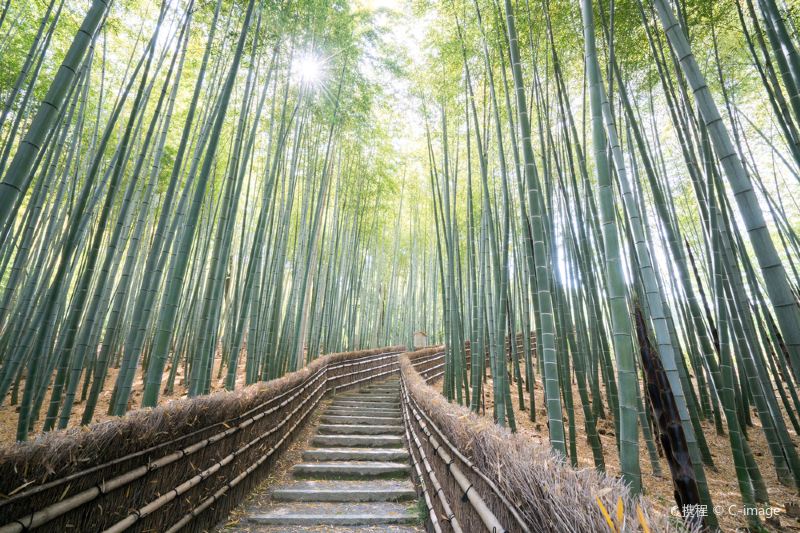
(572, 226)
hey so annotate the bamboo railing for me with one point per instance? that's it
(192, 480)
(464, 498)
(475, 476)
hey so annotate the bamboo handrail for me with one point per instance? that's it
(57, 509)
(427, 423)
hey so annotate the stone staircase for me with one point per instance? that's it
(355, 478)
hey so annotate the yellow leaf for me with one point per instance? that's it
(642, 521)
(607, 516)
(620, 511)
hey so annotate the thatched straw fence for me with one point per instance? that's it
(431, 363)
(179, 467)
(475, 476)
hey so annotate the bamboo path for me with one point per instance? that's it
(355, 477)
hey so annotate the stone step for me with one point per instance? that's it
(389, 397)
(359, 420)
(368, 399)
(360, 429)
(360, 403)
(369, 396)
(359, 441)
(354, 479)
(350, 470)
(332, 514)
(360, 413)
(374, 398)
(355, 454)
(379, 490)
(382, 385)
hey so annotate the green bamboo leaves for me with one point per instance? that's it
(594, 228)
(199, 216)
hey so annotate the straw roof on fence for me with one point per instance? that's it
(551, 495)
(57, 454)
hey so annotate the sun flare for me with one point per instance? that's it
(309, 69)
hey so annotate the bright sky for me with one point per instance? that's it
(403, 31)
(406, 32)
(394, 5)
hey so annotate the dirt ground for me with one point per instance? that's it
(9, 413)
(722, 479)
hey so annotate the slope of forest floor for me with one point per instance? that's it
(722, 479)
